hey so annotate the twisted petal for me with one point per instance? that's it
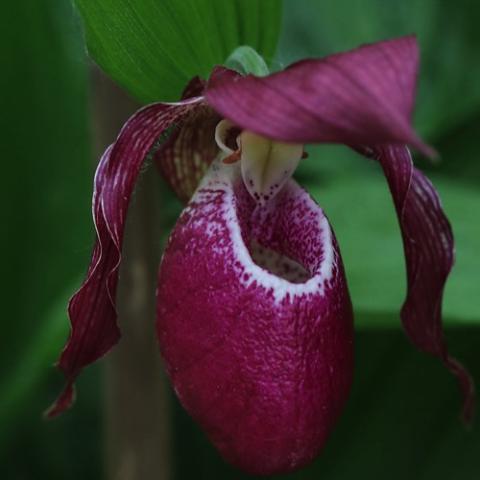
(92, 309)
(255, 322)
(429, 252)
(362, 97)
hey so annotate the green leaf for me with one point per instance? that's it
(46, 194)
(35, 362)
(448, 34)
(246, 60)
(153, 48)
(68, 447)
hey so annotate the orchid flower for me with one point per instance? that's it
(255, 322)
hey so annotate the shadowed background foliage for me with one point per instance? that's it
(401, 420)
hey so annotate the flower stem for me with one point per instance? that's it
(136, 413)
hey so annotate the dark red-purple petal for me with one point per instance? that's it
(361, 97)
(194, 88)
(92, 309)
(429, 253)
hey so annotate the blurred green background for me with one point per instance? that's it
(401, 420)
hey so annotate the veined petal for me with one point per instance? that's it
(191, 149)
(361, 97)
(92, 309)
(255, 322)
(185, 158)
(429, 253)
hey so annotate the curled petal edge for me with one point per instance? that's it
(93, 317)
(361, 97)
(429, 256)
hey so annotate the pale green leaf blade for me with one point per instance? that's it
(153, 48)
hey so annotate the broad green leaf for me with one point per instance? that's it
(448, 34)
(70, 447)
(34, 363)
(459, 149)
(154, 47)
(46, 193)
(401, 420)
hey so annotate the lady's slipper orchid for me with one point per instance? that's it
(254, 316)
